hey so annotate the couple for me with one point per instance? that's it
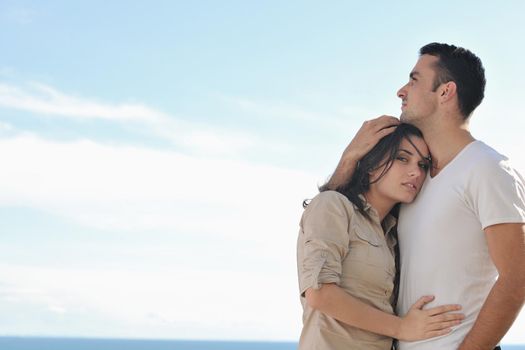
(463, 228)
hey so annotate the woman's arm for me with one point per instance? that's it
(418, 324)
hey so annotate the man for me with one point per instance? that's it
(466, 227)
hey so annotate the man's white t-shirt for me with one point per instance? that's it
(442, 243)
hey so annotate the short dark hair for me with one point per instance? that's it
(382, 155)
(463, 68)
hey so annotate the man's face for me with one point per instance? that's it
(418, 101)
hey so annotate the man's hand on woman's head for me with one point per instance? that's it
(364, 140)
(368, 136)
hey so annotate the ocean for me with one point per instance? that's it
(37, 343)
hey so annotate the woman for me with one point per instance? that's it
(346, 258)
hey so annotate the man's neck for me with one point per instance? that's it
(444, 143)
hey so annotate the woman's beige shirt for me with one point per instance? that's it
(337, 244)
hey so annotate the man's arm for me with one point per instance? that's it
(506, 243)
(366, 138)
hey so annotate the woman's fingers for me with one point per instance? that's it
(422, 302)
(450, 317)
(433, 334)
(443, 325)
(443, 309)
(445, 321)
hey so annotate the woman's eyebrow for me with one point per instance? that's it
(427, 158)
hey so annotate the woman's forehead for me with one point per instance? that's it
(415, 145)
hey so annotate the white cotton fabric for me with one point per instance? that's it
(443, 247)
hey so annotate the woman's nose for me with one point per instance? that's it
(415, 171)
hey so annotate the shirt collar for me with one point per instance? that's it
(388, 222)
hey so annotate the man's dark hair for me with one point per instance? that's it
(463, 68)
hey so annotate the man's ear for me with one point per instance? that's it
(447, 91)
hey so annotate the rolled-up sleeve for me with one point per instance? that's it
(323, 241)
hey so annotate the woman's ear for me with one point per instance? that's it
(373, 174)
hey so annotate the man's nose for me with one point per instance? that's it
(401, 93)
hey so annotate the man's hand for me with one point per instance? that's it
(366, 138)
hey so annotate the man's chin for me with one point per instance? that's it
(407, 118)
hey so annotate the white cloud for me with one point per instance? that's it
(57, 309)
(174, 303)
(44, 100)
(166, 303)
(134, 188)
(40, 98)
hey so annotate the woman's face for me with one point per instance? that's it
(405, 177)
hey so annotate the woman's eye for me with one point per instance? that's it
(424, 166)
(401, 158)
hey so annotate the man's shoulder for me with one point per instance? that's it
(486, 166)
(485, 158)
(484, 152)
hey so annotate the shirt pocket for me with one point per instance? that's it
(370, 237)
(366, 247)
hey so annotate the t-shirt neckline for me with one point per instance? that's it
(454, 160)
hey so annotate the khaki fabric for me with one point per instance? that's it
(337, 244)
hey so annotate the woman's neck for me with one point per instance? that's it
(380, 204)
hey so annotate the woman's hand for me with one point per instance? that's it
(420, 324)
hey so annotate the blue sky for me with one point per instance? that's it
(155, 154)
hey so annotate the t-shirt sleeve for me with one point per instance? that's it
(325, 228)
(498, 194)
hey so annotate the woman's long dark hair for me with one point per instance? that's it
(381, 156)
